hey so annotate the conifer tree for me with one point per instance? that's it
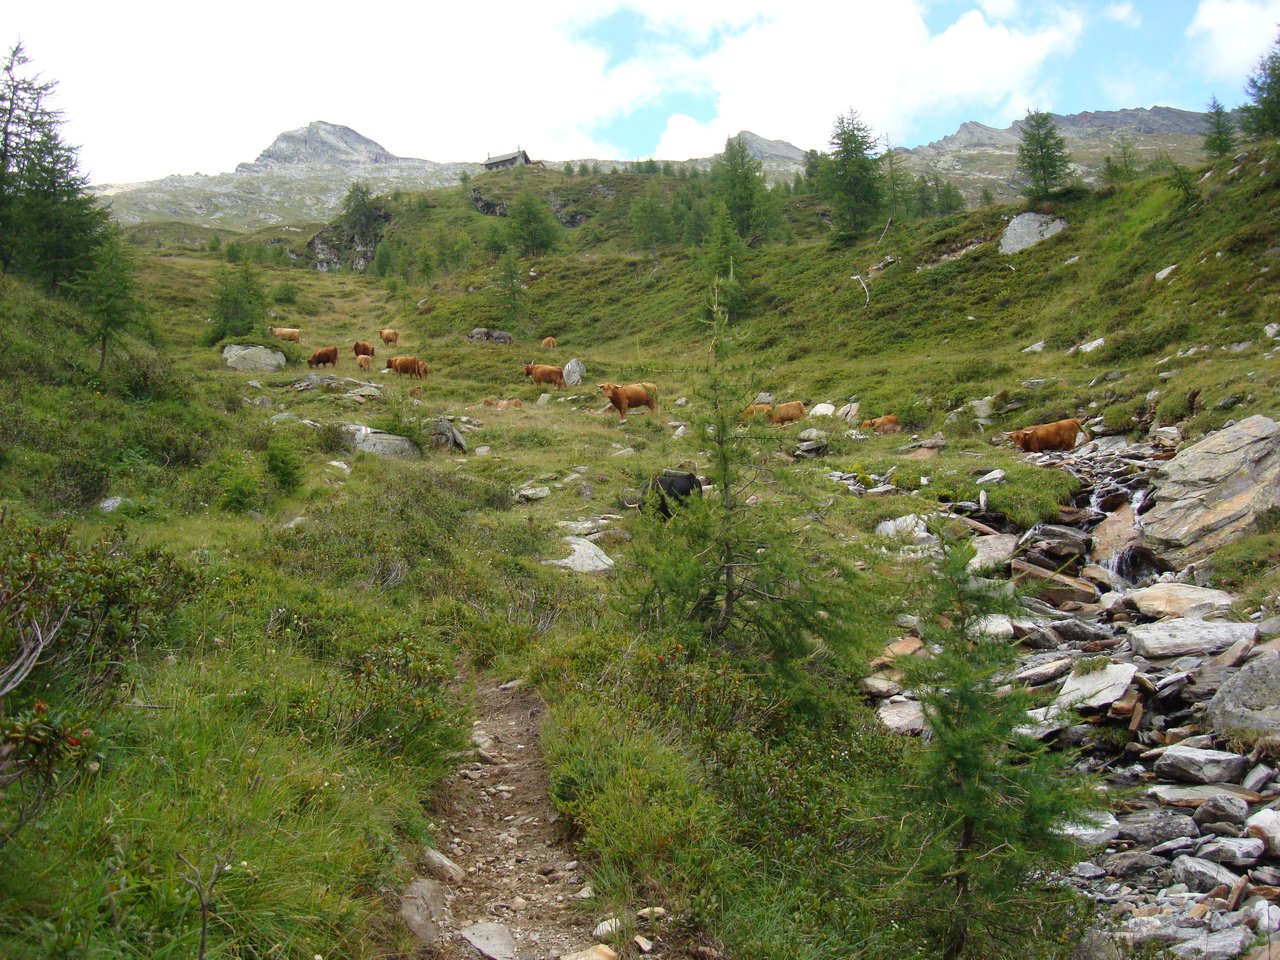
(989, 795)
(1220, 133)
(108, 291)
(1261, 118)
(740, 186)
(533, 228)
(850, 179)
(1043, 158)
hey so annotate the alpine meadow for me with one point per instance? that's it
(677, 559)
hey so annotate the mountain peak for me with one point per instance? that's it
(322, 143)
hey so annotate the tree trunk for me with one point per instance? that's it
(958, 933)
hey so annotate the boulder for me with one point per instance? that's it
(1192, 765)
(1053, 587)
(1096, 688)
(1222, 810)
(1202, 875)
(379, 442)
(1027, 229)
(823, 410)
(1181, 600)
(1132, 862)
(493, 940)
(422, 901)
(255, 358)
(1093, 829)
(1214, 491)
(903, 716)
(574, 371)
(1247, 705)
(994, 550)
(1151, 827)
(586, 557)
(1218, 945)
(441, 867)
(911, 528)
(1182, 638)
(1265, 826)
(1233, 851)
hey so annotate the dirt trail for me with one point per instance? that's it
(495, 820)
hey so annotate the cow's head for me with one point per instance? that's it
(610, 390)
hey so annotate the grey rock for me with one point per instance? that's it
(586, 557)
(493, 940)
(1180, 638)
(1233, 851)
(1150, 827)
(1247, 705)
(1220, 945)
(1265, 826)
(1226, 809)
(1098, 688)
(1087, 870)
(1094, 829)
(380, 442)
(1192, 765)
(903, 716)
(255, 358)
(823, 410)
(992, 551)
(441, 867)
(420, 904)
(1181, 600)
(1214, 491)
(574, 371)
(911, 528)
(530, 494)
(112, 504)
(1027, 229)
(1257, 778)
(1096, 945)
(1201, 875)
(1132, 862)
(762, 397)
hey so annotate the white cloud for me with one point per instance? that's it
(999, 9)
(1123, 13)
(1229, 36)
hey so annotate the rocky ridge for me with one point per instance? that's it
(1146, 676)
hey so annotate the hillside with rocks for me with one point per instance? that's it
(361, 622)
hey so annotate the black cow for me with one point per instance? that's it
(678, 486)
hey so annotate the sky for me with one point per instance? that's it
(150, 89)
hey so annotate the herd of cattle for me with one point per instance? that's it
(1059, 435)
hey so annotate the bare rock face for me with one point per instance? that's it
(1248, 704)
(254, 358)
(1213, 491)
(1028, 229)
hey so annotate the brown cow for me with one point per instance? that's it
(622, 397)
(1059, 435)
(322, 356)
(512, 404)
(755, 409)
(286, 333)
(362, 349)
(363, 362)
(415, 392)
(788, 412)
(390, 337)
(549, 342)
(545, 373)
(410, 366)
(886, 424)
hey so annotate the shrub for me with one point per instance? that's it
(1174, 407)
(284, 464)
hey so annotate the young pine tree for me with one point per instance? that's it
(1220, 130)
(986, 795)
(1043, 158)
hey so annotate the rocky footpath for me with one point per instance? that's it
(1168, 690)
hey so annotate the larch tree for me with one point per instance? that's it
(1043, 158)
(1220, 130)
(1261, 118)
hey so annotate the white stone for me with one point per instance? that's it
(1265, 826)
(1097, 688)
(1027, 229)
(1092, 345)
(849, 412)
(1164, 274)
(441, 867)
(1192, 765)
(994, 550)
(607, 928)
(494, 940)
(823, 410)
(1182, 600)
(1181, 637)
(586, 557)
(1201, 875)
(529, 494)
(112, 504)
(1093, 829)
(1233, 851)
(1272, 330)
(995, 476)
(1036, 347)
(912, 528)
(256, 358)
(573, 372)
(905, 716)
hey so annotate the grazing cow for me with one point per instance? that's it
(549, 342)
(363, 362)
(886, 424)
(415, 392)
(410, 366)
(678, 486)
(511, 404)
(322, 356)
(362, 349)
(545, 373)
(390, 337)
(1059, 435)
(756, 409)
(623, 397)
(788, 412)
(286, 333)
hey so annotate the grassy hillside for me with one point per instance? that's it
(313, 613)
